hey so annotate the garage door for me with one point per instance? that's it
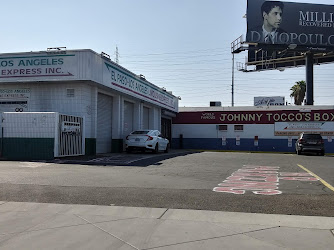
(104, 115)
(146, 118)
(128, 118)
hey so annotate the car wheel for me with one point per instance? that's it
(156, 149)
(322, 153)
(167, 148)
(128, 150)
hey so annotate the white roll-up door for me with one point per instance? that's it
(104, 116)
(128, 118)
(146, 118)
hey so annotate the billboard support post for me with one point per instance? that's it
(309, 78)
(232, 79)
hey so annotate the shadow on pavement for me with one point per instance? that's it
(124, 159)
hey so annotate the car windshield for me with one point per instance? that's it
(142, 132)
(312, 136)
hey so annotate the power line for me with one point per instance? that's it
(180, 52)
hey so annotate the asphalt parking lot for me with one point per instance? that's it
(219, 181)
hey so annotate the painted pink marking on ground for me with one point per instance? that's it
(268, 192)
(259, 167)
(248, 184)
(244, 177)
(249, 176)
(294, 174)
(258, 179)
(257, 171)
(228, 190)
(262, 180)
(299, 178)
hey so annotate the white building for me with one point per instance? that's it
(111, 100)
(260, 128)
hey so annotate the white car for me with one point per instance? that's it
(146, 139)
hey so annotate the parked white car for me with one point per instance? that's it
(146, 139)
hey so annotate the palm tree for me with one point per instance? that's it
(298, 92)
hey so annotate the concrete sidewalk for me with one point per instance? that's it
(60, 226)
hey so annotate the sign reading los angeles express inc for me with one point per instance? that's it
(30, 66)
(276, 22)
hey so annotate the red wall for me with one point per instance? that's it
(252, 117)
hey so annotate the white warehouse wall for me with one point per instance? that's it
(211, 131)
(52, 97)
(29, 125)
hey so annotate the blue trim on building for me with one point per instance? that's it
(269, 145)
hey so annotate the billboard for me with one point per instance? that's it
(269, 101)
(284, 23)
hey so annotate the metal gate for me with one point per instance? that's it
(70, 136)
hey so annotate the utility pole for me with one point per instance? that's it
(116, 55)
(236, 47)
(309, 78)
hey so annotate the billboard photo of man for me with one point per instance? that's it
(269, 31)
(273, 23)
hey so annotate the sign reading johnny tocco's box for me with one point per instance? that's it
(253, 117)
(277, 22)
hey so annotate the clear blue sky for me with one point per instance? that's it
(182, 45)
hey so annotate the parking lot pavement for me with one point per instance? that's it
(119, 159)
(217, 181)
(61, 226)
